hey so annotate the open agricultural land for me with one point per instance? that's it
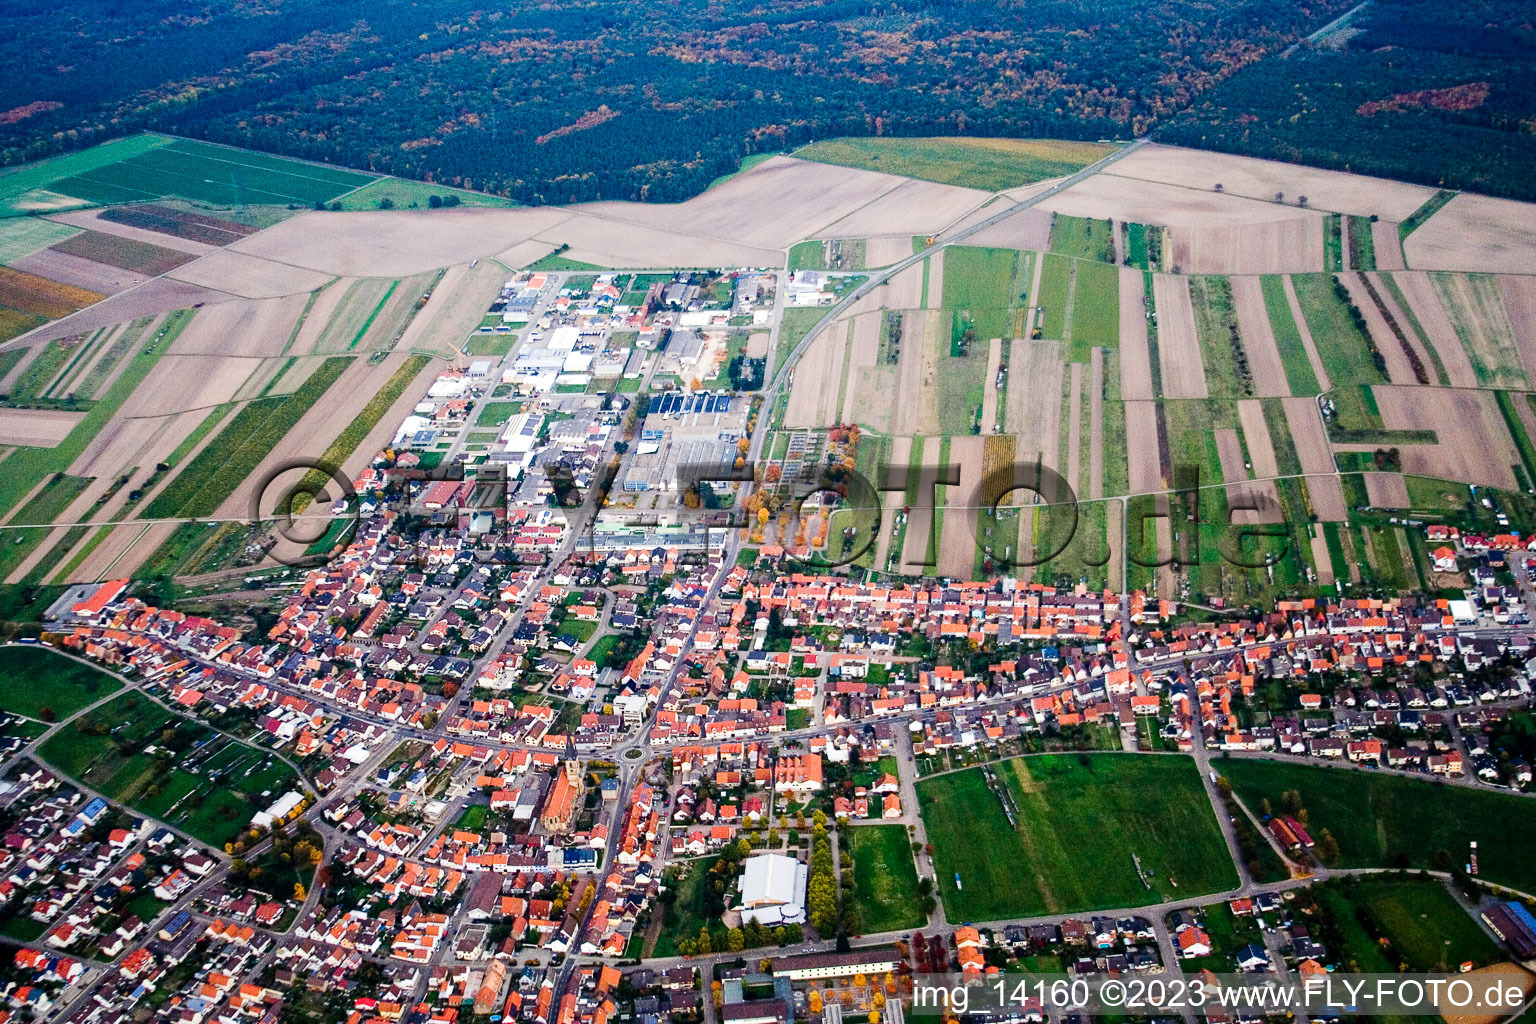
(1061, 833)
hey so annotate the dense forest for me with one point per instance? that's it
(1442, 94)
(565, 100)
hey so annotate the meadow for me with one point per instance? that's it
(884, 878)
(988, 164)
(1384, 820)
(1082, 819)
(35, 679)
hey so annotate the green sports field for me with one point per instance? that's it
(1080, 820)
(1385, 820)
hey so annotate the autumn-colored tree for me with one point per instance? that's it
(299, 892)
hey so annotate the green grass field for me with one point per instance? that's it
(1055, 284)
(988, 164)
(404, 194)
(1095, 310)
(979, 283)
(35, 678)
(1083, 237)
(208, 173)
(1429, 930)
(46, 506)
(1081, 818)
(1391, 821)
(884, 878)
(22, 235)
(19, 187)
(1342, 347)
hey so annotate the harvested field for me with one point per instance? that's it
(1474, 444)
(1305, 425)
(1261, 449)
(1027, 229)
(1473, 304)
(1249, 502)
(610, 242)
(901, 453)
(124, 550)
(957, 541)
(1035, 374)
(917, 374)
(989, 396)
(773, 205)
(1178, 344)
(935, 297)
(868, 384)
(913, 208)
(98, 220)
(156, 296)
(394, 243)
(127, 253)
(918, 540)
(195, 227)
(1074, 467)
(183, 382)
(1261, 179)
(36, 428)
(1258, 338)
(1135, 355)
(1111, 196)
(903, 291)
(82, 273)
(248, 327)
(455, 308)
(1399, 365)
(1293, 245)
(1386, 490)
(32, 294)
(883, 250)
(1475, 233)
(818, 379)
(1388, 247)
(1518, 295)
(248, 276)
(1425, 307)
